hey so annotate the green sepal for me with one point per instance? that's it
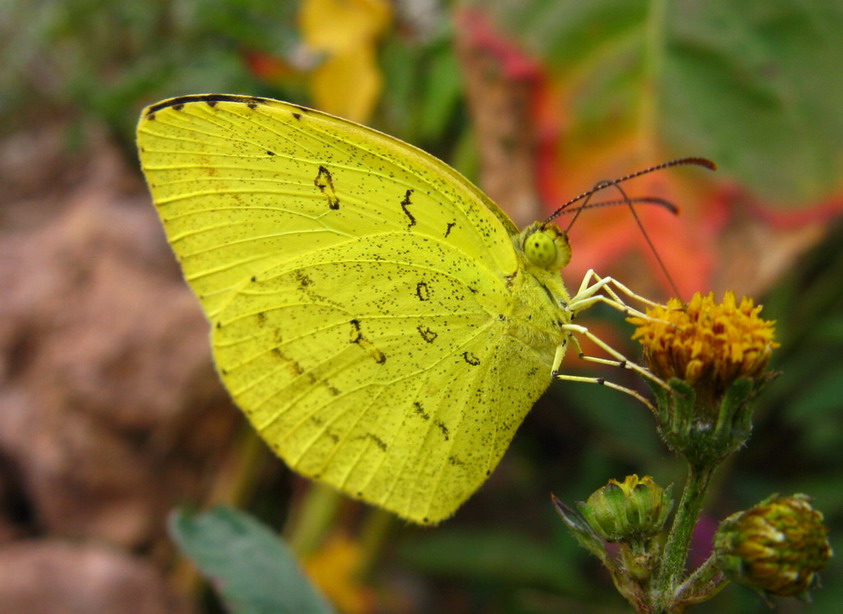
(626, 578)
(705, 428)
(581, 530)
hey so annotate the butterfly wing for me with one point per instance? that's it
(358, 289)
(254, 182)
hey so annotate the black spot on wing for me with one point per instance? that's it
(358, 338)
(448, 229)
(422, 291)
(325, 182)
(419, 409)
(471, 359)
(380, 443)
(427, 334)
(332, 390)
(444, 429)
(406, 203)
(455, 461)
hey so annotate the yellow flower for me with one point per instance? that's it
(333, 568)
(714, 359)
(706, 341)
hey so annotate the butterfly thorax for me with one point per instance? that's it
(539, 310)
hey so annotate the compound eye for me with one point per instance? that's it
(540, 248)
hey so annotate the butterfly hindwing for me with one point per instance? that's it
(406, 397)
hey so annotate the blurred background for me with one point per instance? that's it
(111, 415)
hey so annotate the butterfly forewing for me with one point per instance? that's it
(242, 184)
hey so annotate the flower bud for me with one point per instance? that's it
(776, 547)
(634, 509)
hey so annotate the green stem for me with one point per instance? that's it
(313, 519)
(377, 525)
(237, 479)
(675, 551)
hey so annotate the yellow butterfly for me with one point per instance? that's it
(381, 322)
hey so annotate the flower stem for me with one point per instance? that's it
(675, 551)
(377, 526)
(313, 518)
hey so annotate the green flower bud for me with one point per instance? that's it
(776, 547)
(634, 509)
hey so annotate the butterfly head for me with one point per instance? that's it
(546, 246)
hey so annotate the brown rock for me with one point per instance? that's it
(49, 576)
(109, 407)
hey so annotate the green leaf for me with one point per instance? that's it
(254, 570)
(440, 95)
(753, 85)
(817, 407)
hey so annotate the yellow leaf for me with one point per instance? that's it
(348, 82)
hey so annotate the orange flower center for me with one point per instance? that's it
(706, 340)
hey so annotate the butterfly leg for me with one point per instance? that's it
(587, 296)
(602, 382)
(619, 359)
(596, 289)
(607, 283)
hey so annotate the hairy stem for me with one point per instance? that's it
(675, 553)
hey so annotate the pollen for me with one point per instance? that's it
(704, 340)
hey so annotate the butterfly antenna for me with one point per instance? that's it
(704, 162)
(650, 243)
(638, 200)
